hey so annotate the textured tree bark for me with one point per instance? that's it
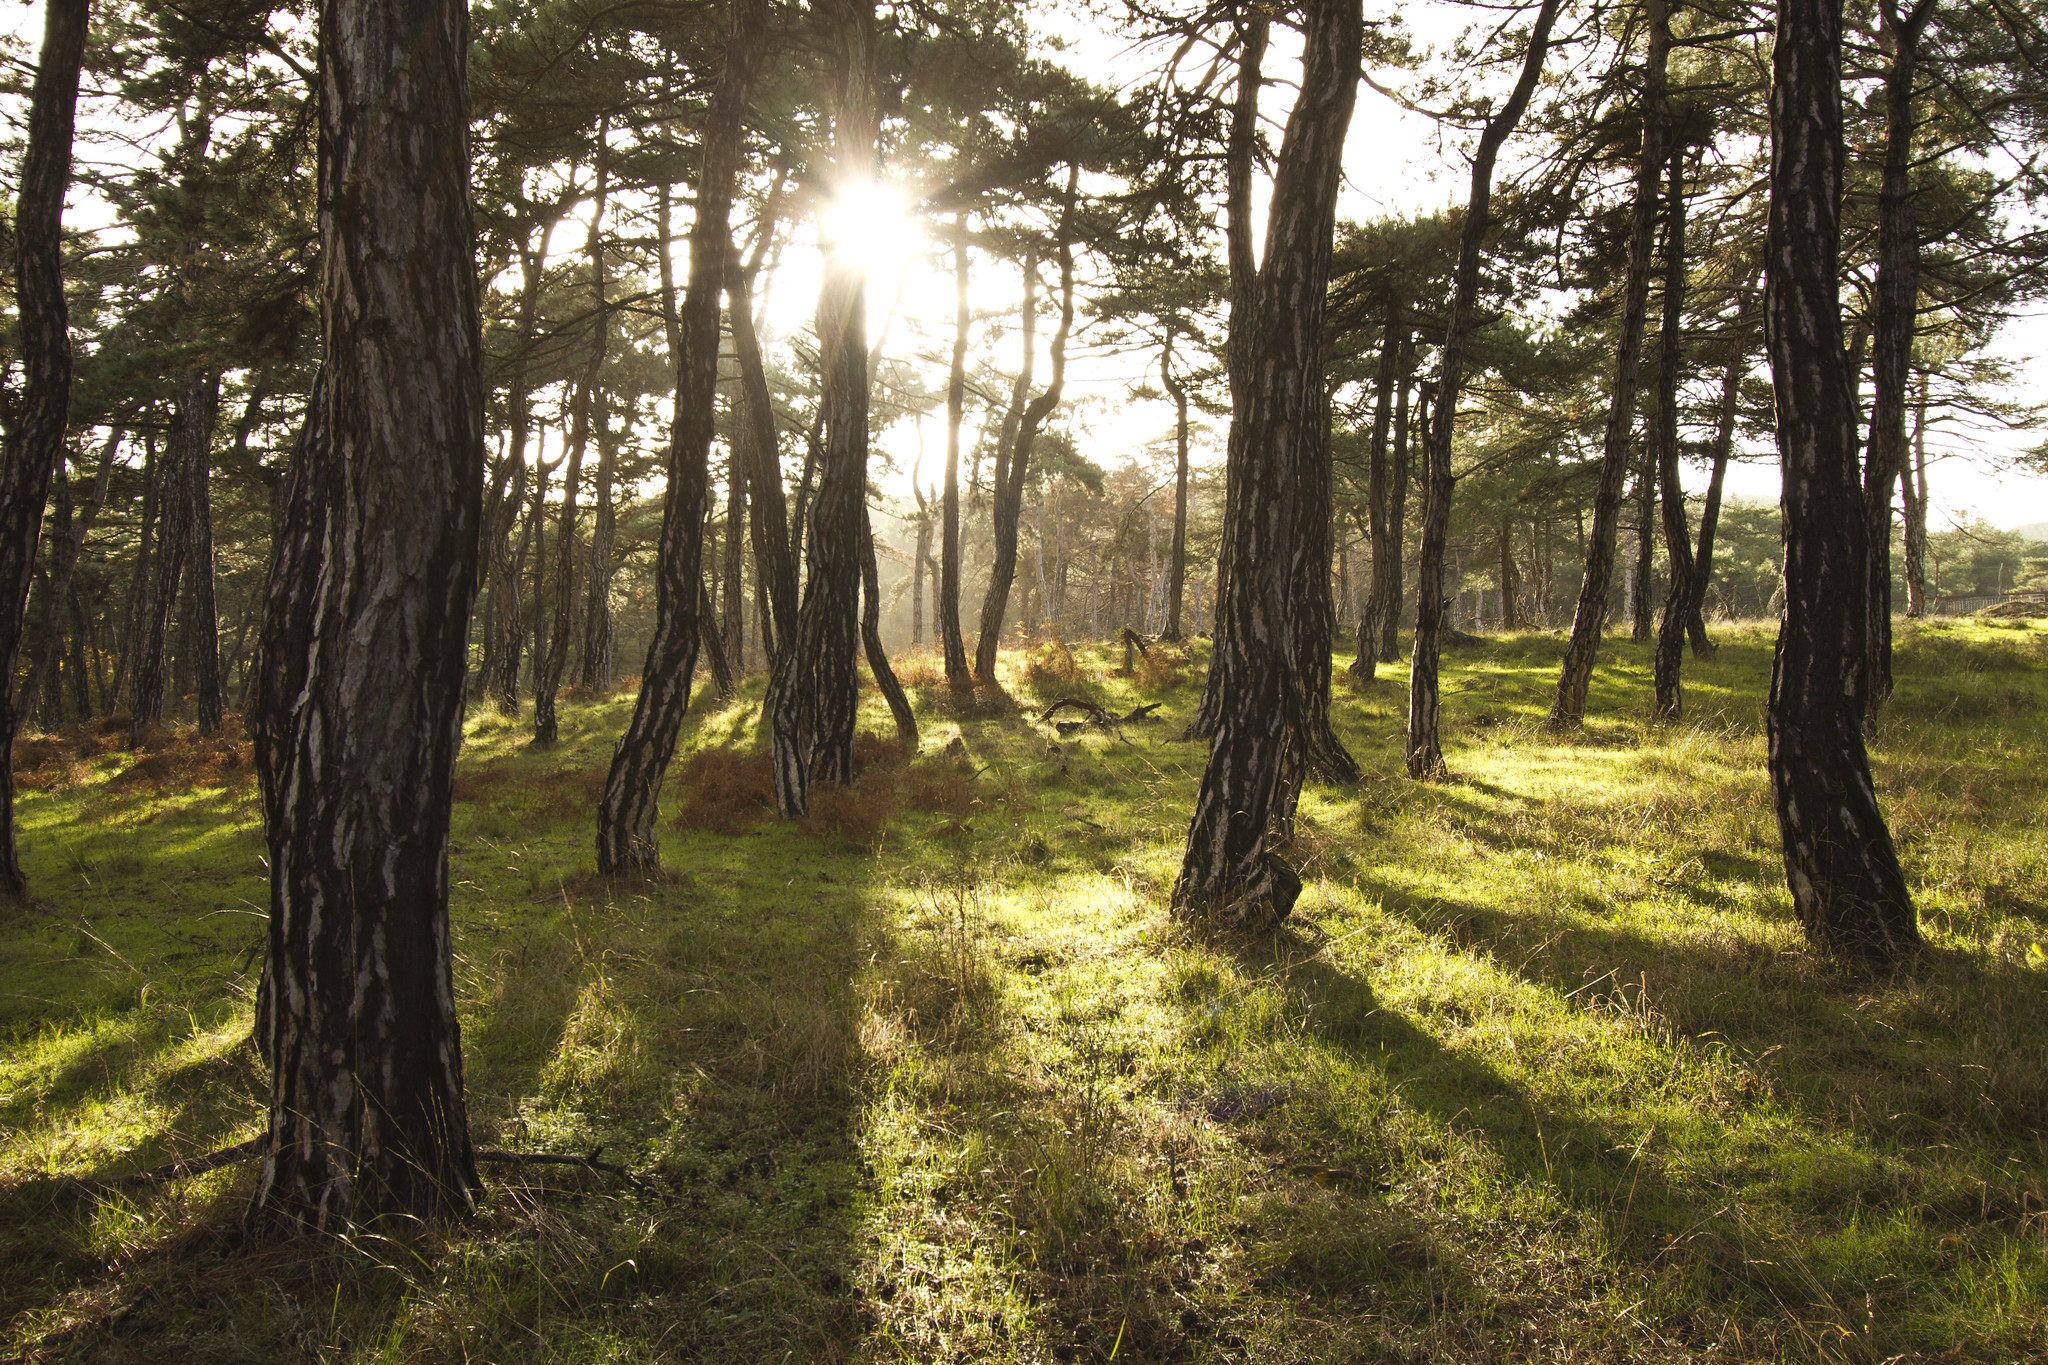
(813, 691)
(1898, 298)
(63, 558)
(627, 843)
(199, 404)
(1839, 861)
(1425, 757)
(1228, 870)
(364, 648)
(767, 513)
(952, 643)
(1007, 507)
(555, 661)
(1679, 594)
(1177, 584)
(1385, 591)
(1568, 708)
(871, 639)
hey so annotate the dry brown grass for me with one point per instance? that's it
(855, 813)
(724, 791)
(1162, 667)
(920, 668)
(1053, 662)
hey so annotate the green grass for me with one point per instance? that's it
(1540, 1069)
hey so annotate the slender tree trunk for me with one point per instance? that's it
(724, 684)
(1898, 297)
(1258, 749)
(1425, 744)
(63, 557)
(1844, 874)
(768, 517)
(556, 659)
(1710, 513)
(1680, 593)
(1384, 594)
(920, 556)
(202, 621)
(732, 614)
(364, 649)
(1008, 506)
(627, 844)
(1642, 577)
(174, 541)
(597, 601)
(505, 565)
(1569, 707)
(132, 626)
(1389, 622)
(952, 643)
(1176, 585)
(1915, 503)
(1310, 615)
(1510, 585)
(871, 639)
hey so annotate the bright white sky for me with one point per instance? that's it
(1394, 163)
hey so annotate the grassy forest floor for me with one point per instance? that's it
(1541, 1068)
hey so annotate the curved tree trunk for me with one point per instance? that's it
(1257, 752)
(952, 644)
(1898, 297)
(871, 638)
(767, 513)
(1680, 592)
(814, 689)
(365, 648)
(39, 424)
(1425, 744)
(627, 844)
(1568, 708)
(1839, 860)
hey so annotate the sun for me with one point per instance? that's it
(870, 224)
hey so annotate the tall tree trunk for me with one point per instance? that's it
(1389, 624)
(597, 601)
(1710, 512)
(556, 660)
(814, 690)
(1176, 585)
(1915, 503)
(1425, 744)
(1898, 297)
(1510, 585)
(1008, 505)
(505, 565)
(1575, 676)
(768, 516)
(1311, 618)
(732, 618)
(1642, 576)
(174, 542)
(1839, 861)
(1680, 592)
(1258, 748)
(132, 622)
(921, 556)
(1384, 594)
(533, 539)
(63, 558)
(724, 685)
(202, 619)
(627, 844)
(364, 648)
(952, 643)
(871, 639)
(1240, 166)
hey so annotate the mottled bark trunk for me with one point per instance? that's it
(199, 406)
(1839, 861)
(1425, 755)
(952, 642)
(1385, 589)
(364, 648)
(1590, 616)
(1680, 592)
(871, 638)
(1898, 297)
(627, 843)
(1176, 586)
(555, 661)
(814, 689)
(1257, 752)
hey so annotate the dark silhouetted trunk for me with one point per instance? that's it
(814, 689)
(1642, 575)
(952, 643)
(174, 543)
(133, 620)
(1176, 586)
(871, 638)
(767, 513)
(732, 610)
(1590, 616)
(63, 561)
(597, 599)
(725, 685)
(365, 644)
(1384, 594)
(1257, 752)
(1510, 583)
(202, 619)
(506, 565)
(1680, 593)
(1710, 512)
(627, 843)
(1311, 616)
(1914, 500)
(1425, 745)
(1397, 510)
(555, 659)
(1898, 298)
(1839, 861)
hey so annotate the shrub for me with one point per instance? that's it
(725, 791)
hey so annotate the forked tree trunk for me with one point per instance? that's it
(1228, 869)
(1680, 592)
(627, 844)
(1176, 585)
(39, 422)
(555, 660)
(365, 649)
(871, 639)
(1839, 861)
(202, 620)
(813, 692)
(1384, 593)
(1568, 708)
(1425, 757)
(1898, 297)
(952, 643)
